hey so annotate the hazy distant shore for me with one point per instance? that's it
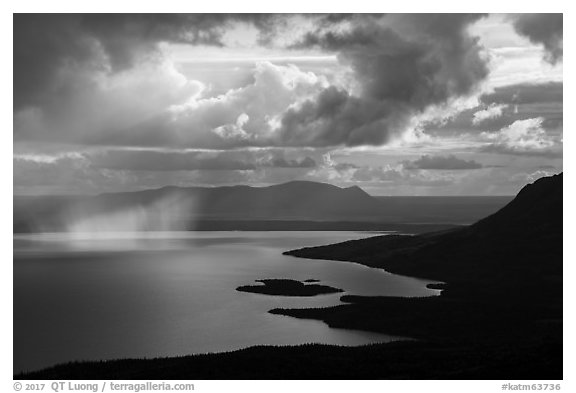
(287, 225)
(499, 316)
(294, 206)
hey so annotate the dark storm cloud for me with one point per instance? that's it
(403, 64)
(449, 162)
(545, 29)
(149, 160)
(335, 117)
(44, 44)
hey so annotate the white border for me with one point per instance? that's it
(8, 7)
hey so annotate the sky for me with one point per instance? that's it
(397, 104)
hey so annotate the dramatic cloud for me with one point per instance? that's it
(94, 78)
(525, 101)
(491, 112)
(97, 106)
(505, 105)
(402, 66)
(247, 116)
(545, 29)
(48, 45)
(526, 93)
(157, 106)
(523, 137)
(133, 101)
(449, 162)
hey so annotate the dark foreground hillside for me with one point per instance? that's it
(498, 317)
(522, 240)
(399, 360)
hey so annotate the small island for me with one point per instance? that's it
(437, 285)
(287, 287)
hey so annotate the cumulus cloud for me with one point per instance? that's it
(92, 79)
(544, 29)
(156, 106)
(530, 177)
(248, 116)
(402, 66)
(523, 137)
(449, 162)
(104, 85)
(507, 104)
(526, 101)
(491, 112)
(47, 45)
(98, 106)
(525, 93)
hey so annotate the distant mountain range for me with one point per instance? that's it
(199, 207)
(499, 315)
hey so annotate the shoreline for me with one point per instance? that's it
(376, 314)
(499, 314)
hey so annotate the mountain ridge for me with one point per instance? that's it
(190, 208)
(502, 280)
(499, 314)
(509, 236)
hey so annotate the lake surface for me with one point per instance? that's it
(123, 295)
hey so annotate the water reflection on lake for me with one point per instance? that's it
(81, 297)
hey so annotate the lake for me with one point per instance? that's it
(125, 295)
